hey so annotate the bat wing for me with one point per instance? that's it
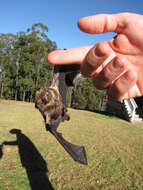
(77, 152)
(65, 77)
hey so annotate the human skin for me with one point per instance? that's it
(116, 64)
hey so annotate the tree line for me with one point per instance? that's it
(24, 69)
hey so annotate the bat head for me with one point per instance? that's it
(43, 97)
(49, 103)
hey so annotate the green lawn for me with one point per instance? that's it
(33, 158)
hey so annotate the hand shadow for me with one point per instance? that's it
(32, 161)
(1, 150)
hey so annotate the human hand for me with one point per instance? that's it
(117, 64)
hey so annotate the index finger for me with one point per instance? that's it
(69, 56)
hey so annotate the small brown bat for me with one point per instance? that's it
(51, 102)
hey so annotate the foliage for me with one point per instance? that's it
(23, 69)
(85, 96)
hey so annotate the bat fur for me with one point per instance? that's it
(49, 102)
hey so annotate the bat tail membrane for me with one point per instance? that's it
(78, 153)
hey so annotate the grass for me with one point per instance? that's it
(34, 158)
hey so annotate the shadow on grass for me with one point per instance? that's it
(1, 151)
(32, 161)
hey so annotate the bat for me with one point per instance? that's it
(51, 102)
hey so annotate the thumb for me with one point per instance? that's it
(102, 23)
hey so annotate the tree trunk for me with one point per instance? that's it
(2, 86)
(1, 92)
(31, 97)
(23, 96)
(69, 97)
(15, 95)
(16, 91)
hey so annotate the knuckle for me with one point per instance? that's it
(118, 63)
(90, 58)
(114, 92)
(106, 74)
(86, 69)
(130, 76)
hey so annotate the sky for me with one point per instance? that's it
(61, 17)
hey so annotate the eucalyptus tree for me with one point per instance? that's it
(23, 68)
(6, 67)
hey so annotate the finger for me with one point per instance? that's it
(69, 56)
(120, 88)
(111, 72)
(133, 92)
(96, 59)
(102, 23)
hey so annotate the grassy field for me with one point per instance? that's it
(32, 158)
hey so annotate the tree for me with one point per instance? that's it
(85, 96)
(23, 68)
